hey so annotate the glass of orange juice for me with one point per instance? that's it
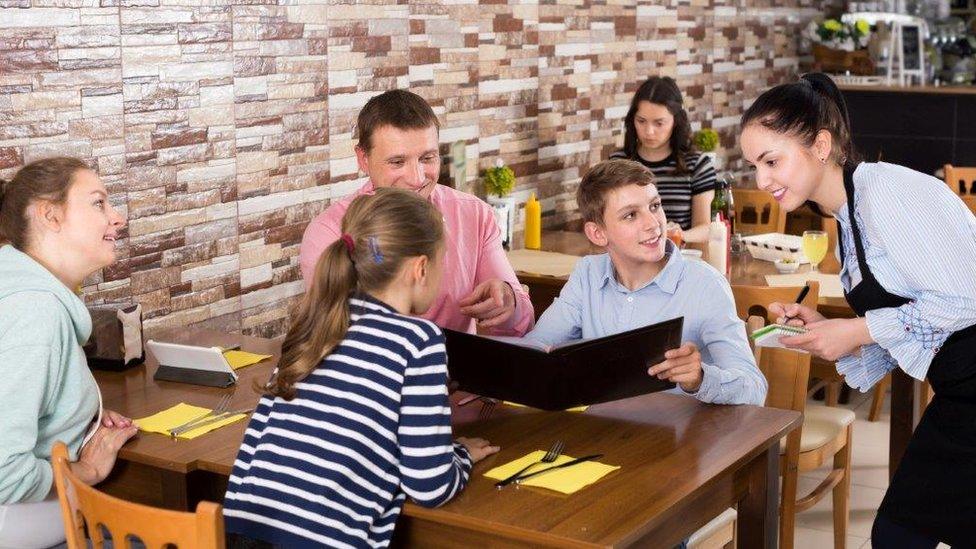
(814, 247)
(674, 233)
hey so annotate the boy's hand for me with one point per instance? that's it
(478, 448)
(682, 366)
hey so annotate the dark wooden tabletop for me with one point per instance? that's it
(671, 449)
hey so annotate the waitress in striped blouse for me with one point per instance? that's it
(658, 135)
(908, 247)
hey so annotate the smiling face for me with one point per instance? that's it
(633, 228)
(404, 159)
(785, 167)
(90, 225)
(654, 124)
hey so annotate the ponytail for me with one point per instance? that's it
(379, 233)
(802, 109)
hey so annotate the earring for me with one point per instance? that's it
(823, 160)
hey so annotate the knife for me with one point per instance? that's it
(519, 480)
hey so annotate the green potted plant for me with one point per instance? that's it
(499, 180)
(706, 140)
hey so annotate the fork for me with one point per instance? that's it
(221, 407)
(210, 420)
(487, 407)
(554, 452)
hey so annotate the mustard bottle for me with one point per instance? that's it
(533, 223)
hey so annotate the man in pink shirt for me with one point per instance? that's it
(398, 139)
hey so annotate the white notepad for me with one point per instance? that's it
(768, 336)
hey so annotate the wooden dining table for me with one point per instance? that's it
(682, 462)
(906, 393)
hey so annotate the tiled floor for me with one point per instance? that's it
(869, 480)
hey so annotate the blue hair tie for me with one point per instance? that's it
(373, 244)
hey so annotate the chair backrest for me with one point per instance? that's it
(754, 300)
(757, 212)
(962, 181)
(787, 372)
(82, 505)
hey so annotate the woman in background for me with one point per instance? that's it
(658, 135)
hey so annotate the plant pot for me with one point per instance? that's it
(858, 62)
(505, 209)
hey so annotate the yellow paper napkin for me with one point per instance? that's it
(576, 409)
(567, 480)
(240, 359)
(163, 421)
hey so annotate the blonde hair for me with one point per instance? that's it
(380, 232)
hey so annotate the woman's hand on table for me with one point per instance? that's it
(97, 457)
(491, 303)
(111, 418)
(832, 338)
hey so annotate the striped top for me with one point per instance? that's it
(920, 243)
(368, 427)
(676, 190)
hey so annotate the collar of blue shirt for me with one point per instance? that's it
(666, 280)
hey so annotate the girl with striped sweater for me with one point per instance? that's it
(356, 417)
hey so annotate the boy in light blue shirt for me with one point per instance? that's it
(642, 280)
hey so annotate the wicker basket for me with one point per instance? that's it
(830, 60)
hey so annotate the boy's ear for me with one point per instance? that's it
(596, 233)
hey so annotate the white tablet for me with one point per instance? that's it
(191, 364)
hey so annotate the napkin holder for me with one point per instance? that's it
(116, 340)
(191, 364)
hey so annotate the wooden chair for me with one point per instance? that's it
(962, 181)
(757, 212)
(826, 431)
(83, 507)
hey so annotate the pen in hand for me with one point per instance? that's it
(799, 299)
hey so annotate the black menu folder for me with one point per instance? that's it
(580, 373)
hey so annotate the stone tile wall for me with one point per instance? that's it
(221, 127)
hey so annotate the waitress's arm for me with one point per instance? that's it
(929, 236)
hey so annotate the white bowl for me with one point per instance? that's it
(785, 267)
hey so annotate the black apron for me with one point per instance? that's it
(933, 491)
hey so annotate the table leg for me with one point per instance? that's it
(759, 509)
(903, 418)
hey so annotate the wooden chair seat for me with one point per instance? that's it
(825, 433)
(821, 425)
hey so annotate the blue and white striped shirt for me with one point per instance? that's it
(920, 243)
(369, 426)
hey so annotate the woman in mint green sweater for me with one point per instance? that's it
(56, 228)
